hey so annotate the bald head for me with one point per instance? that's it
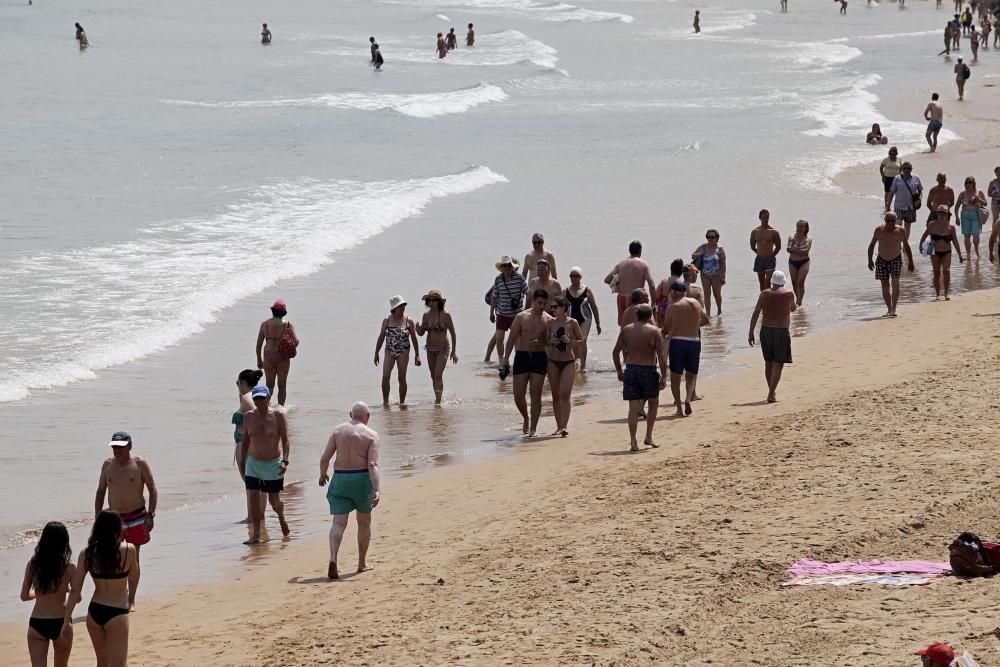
(360, 412)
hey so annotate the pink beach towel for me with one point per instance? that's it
(809, 567)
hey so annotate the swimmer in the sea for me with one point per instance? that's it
(81, 37)
(378, 57)
(265, 35)
(374, 47)
(697, 21)
(442, 46)
(470, 37)
(451, 40)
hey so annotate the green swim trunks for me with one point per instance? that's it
(350, 490)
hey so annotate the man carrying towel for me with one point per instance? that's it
(355, 484)
(123, 479)
(777, 305)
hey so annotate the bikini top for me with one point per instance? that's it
(941, 237)
(439, 326)
(116, 575)
(798, 246)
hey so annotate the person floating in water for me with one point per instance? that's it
(81, 36)
(470, 37)
(374, 47)
(451, 40)
(265, 35)
(442, 46)
(377, 56)
(697, 21)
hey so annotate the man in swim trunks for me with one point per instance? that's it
(355, 484)
(531, 363)
(934, 115)
(892, 242)
(544, 281)
(123, 479)
(682, 326)
(262, 462)
(777, 304)
(641, 344)
(765, 241)
(631, 273)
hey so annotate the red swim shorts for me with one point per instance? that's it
(504, 322)
(135, 527)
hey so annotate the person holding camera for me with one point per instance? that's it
(506, 300)
(564, 335)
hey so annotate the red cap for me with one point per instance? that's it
(280, 305)
(940, 653)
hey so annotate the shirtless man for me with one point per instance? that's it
(697, 21)
(939, 195)
(765, 241)
(123, 479)
(694, 290)
(661, 297)
(934, 115)
(632, 273)
(531, 363)
(538, 253)
(470, 37)
(355, 484)
(682, 324)
(262, 463)
(374, 47)
(636, 299)
(777, 304)
(451, 39)
(265, 35)
(892, 242)
(544, 280)
(641, 344)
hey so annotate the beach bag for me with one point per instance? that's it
(966, 73)
(984, 215)
(288, 343)
(489, 297)
(915, 197)
(966, 556)
(699, 262)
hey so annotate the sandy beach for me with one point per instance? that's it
(573, 552)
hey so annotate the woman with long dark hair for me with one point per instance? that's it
(47, 581)
(112, 565)
(245, 382)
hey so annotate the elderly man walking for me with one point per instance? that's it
(355, 485)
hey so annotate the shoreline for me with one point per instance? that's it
(540, 532)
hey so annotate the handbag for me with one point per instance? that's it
(288, 343)
(984, 215)
(915, 198)
(699, 262)
(489, 297)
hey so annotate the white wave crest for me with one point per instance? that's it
(419, 105)
(533, 9)
(143, 295)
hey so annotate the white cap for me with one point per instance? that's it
(778, 278)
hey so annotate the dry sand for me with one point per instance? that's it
(575, 552)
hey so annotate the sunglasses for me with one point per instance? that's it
(575, 275)
(711, 236)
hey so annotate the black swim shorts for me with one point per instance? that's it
(764, 264)
(776, 344)
(530, 362)
(641, 383)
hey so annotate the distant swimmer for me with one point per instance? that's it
(892, 242)
(470, 37)
(765, 241)
(355, 486)
(697, 21)
(81, 36)
(641, 345)
(934, 115)
(843, 6)
(451, 40)
(442, 46)
(264, 460)
(784, 5)
(374, 47)
(377, 55)
(265, 35)
(776, 304)
(876, 137)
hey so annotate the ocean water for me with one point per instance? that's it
(164, 186)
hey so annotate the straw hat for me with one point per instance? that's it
(507, 259)
(395, 302)
(433, 294)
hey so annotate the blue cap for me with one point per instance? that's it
(120, 439)
(260, 391)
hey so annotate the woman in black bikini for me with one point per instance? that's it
(112, 565)
(47, 581)
(943, 235)
(583, 309)
(799, 246)
(437, 324)
(564, 335)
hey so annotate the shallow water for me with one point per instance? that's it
(161, 195)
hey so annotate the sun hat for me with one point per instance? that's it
(433, 294)
(778, 278)
(280, 305)
(940, 653)
(120, 439)
(260, 391)
(943, 209)
(507, 259)
(395, 302)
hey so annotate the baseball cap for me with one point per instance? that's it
(943, 209)
(120, 439)
(939, 653)
(260, 391)
(778, 278)
(280, 305)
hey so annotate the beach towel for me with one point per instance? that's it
(809, 567)
(850, 579)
